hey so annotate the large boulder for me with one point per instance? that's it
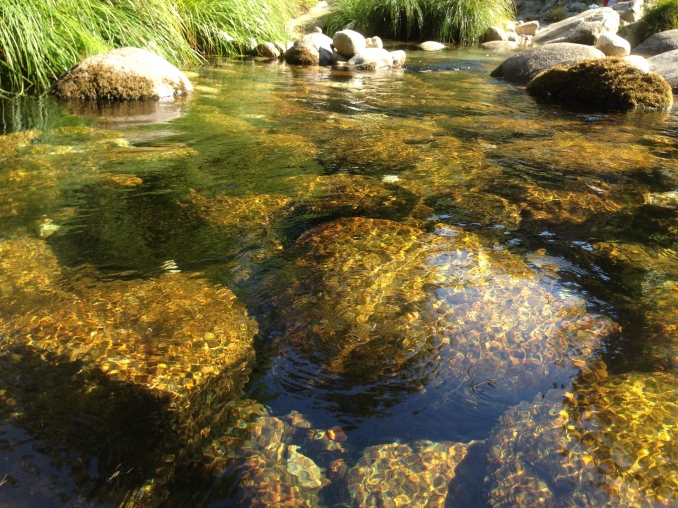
(666, 65)
(372, 58)
(311, 49)
(609, 81)
(583, 28)
(123, 74)
(494, 33)
(613, 45)
(524, 66)
(348, 43)
(656, 44)
(630, 11)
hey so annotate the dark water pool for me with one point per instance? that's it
(307, 287)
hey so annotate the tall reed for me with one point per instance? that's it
(41, 39)
(461, 21)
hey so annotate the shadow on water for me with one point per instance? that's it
(110, 437)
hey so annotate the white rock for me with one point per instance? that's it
(349, 43)
(372, 58)
(374, 42)
(613, 45)
(638, 62)
(398, 58)
(431, 46)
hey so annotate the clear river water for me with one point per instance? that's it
(307, 287)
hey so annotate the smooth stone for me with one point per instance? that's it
(372, 58)
(268, 50)
(123, 74)
(280, 47)
(349, 42)
(656, 44)
(524, 66)
(431, 46)
(500, 46)
(374, 42)
(638, 62)
(613, 45)
(398, 58)
(630, 11)
(494, 33)
(583, 28)
(666, 65)
(311, 49)
(528, 28)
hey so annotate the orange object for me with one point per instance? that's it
(337, 434)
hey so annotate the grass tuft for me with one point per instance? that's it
(42, 39)
(462, 21)
(662, 16)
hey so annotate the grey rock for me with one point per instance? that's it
(528, 28)
(311, 49)
(348, 42)
(268, 50)
(372, 58)
(123, 74)
(577, 7)
(658, 43)
(524, 66)
(613, 45)
(431, 46)
(280, 47)
(666, 65)
(500, 46)
(494, 33)
(583, 28)
(630, 11)
(632, 33)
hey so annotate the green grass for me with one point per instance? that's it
(41, 39)
(462, 21)
(662, 16)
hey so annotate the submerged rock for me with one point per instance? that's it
(583, 28)
(610, 442)
(372, 58)
(170, 334)
(123, 74)
(524, 66)
(609, 82)
(415, 475)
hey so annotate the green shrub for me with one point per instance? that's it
(462, 21)
(41, 39)
(660, 17)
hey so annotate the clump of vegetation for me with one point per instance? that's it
(556, 14)
(41, 39)
(662, 16)
(462, 21)
(610, 82)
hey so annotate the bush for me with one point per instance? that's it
(41, 39)
(556, 14)
(660, 17)
(462, 21)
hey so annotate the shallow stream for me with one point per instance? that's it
(305, 287)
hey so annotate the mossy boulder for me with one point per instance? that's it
(123, 74)
(610, 82)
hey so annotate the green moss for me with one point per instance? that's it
(606, 81)
(662, 16)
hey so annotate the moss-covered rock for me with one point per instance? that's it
(123, 74)
(610, 82)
